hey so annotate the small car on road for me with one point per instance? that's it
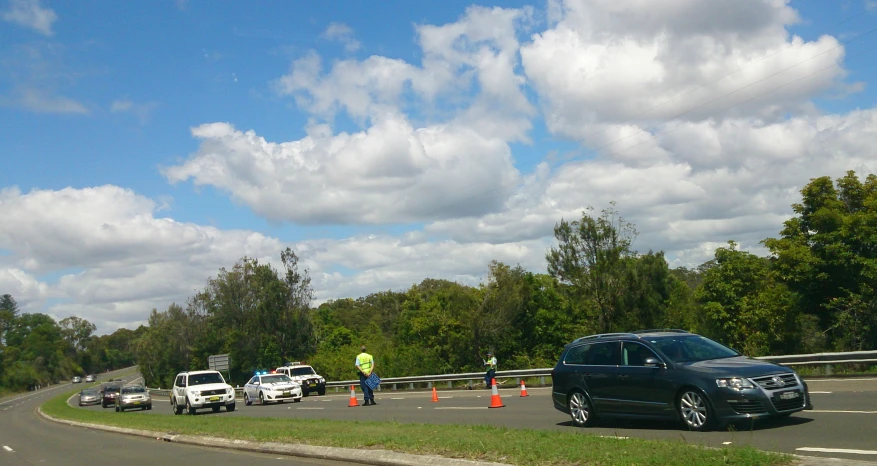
(77, 379)
(109, 394)
(671, 374)
(89, 396)
(89, 378)
(133, 396)
(268, 388)
(194, 390)
(310, 381)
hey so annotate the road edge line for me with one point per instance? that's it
(371, 457)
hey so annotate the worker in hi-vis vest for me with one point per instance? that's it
(491, 370)
(365, 365)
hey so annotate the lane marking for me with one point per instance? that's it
(462, 407)
(308, 408)
(837, 380)
(819, 393)
(8, 449)
(838, 450)
(726, 443)
(839, 411)
(397, 398)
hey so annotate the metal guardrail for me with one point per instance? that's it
(827, 359)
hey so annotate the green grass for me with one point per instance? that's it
(515, 446)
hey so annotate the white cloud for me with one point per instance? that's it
(344, 34)
(29, 13)
(44, 101)
(143, 111)
(390, 173)
(609, 62)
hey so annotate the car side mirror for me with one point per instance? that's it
(256, 383)
(654, 362)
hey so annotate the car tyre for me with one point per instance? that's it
(230, 407)
(296, 400)
(247, 400)
(695, 410)
(149, 407)
(215, 409)
(177, 408)
(189, 407)
(305, 390)
(261, 398)
(321, 390)
(580, 409)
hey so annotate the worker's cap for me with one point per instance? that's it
(362, 348)
(490, 353)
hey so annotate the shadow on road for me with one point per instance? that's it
(640, 424)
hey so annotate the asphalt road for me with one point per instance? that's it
(844, 418)
(27, 439)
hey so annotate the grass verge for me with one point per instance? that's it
(489, 443)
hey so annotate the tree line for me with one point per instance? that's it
(814, 291)
(35, 350)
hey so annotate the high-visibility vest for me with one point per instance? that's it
(366, 361)
(492, 362)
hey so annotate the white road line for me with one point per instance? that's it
(838, 450)
(310, 408)
(839, 411)
(7, 448)
(819, 393)
(445, 397)
(462, 407)
(809, 381)
(397, 398)
(726, 443)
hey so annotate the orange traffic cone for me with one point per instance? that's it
(434, 395)
(353, 402)
(495, 401)
(523, 389)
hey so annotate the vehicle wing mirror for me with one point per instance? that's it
(653, 362)
(256, 383)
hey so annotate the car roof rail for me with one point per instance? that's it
(668, 330)
(603, 335)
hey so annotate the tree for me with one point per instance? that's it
(827, 253)
(77, 331)
(8, 312)
(745, 304)
(591, 257)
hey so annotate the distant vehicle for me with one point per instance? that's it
(109, 394)
(201, 389)
(671, 374)
(77, 379)
(269, 388)
(305, 375)
(89, 378)
(133, 396)
(89, 396)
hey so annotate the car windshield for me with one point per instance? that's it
(111, 389)
(276, 378)
(133, 390)
(88, 392)
(201, 379)
(692, 348)
(302, 371)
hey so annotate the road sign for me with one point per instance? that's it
(219, 362)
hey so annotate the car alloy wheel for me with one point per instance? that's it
(694, 410)
(247, 400)
(261, 398)
(580, 409)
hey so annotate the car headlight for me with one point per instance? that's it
(229, 391)
(322, 380)
(735, 383)
(196, 392)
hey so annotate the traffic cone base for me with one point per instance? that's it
(434, 395)
(495, 401)
(352, 403)
(524, 389)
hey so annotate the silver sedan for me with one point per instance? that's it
(89, 396)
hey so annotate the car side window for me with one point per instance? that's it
(576, 355)
(253, 380)
(635, 354)
(603, 354)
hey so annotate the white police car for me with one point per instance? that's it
(271, 388)
(305, 375)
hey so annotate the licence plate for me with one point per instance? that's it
(214, 398)
(136, 402)
(312, 384)
(285, 393)
(788, 395)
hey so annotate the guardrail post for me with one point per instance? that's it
(518, 381)
(428, 384)
(411, 385)
(470, 384)
(394, 387)
(542, 380)
(450, 384)
(828, 369)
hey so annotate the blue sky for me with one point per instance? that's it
(103, 93)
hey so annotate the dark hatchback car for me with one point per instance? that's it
(109, 394)
(671, 374)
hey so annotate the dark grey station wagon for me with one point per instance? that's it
(671, 374)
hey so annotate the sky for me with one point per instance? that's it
(147, 144)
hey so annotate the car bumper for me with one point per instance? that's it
(277, 396)
(136, 404)
(89, 402)
(211, 401)
(738, 405)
